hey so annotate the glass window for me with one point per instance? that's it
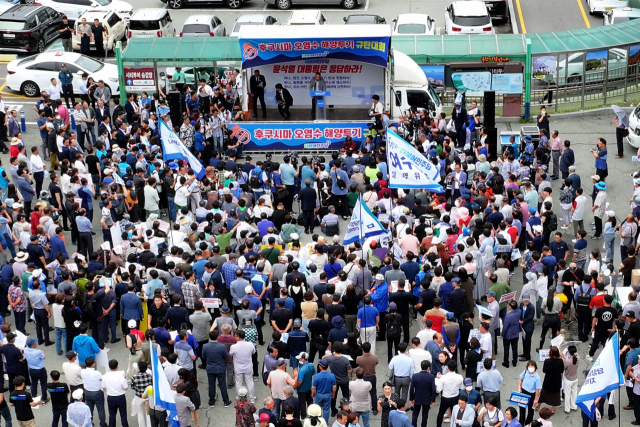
(72, 68)
(412, 29)
(83, 2)
(113, 19)
(144, 25)
(471, 21)
(86, 63)
(43, 16)
(195, 28)
(12, 25)
(45, 66)
(418, 98)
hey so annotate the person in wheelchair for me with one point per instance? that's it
(330, 223)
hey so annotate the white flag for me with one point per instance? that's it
(604, 376)
(408, 168)
(173, 148)
(363, 224)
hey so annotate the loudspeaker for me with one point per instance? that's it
(491, 142)
(489, 109)
(175, 109)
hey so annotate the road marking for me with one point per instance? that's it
(3, 86)
(522, 27)
(584, 15)
(366, 6)
(265, 6)
(15, 107)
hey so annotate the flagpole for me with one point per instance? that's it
(362, 246)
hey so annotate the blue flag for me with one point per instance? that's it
(604, 376)
(162, 394)
(174, 148)
(363, 224)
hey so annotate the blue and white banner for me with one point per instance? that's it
(117, 178)
(363, 224)
(173, 148)
(408, 168)
(162, 394)
(604, 376)
(372, 50)
(298, 136)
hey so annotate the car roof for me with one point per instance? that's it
(626, 11)
(470, 8)
(59, 56)
(251, 18)
(363, 17)
(20, 11)
(413, 18)
(93, 13)
(149, 13)
(198, 19)
(305, 15)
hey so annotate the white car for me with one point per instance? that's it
(151, 22)
(116, 28)
(248, 20)
(74, 8)
(617, 16)
(467, 17)
(306, 17)
(203, 26)
(634, 128)
(602, 6)
(33, 74)
(414, 24)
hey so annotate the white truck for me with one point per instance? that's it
(401, 84)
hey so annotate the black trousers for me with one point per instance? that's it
(259, 95)
(304, 400)
(526, 414)
(597, 339)
(584, 326)
(551, 321)
(620, 141)
(67, 92)
(372, 392)
(115, 404)
(313, 349)
(309, 221)
(314, 100)
(425, 415)
(513, 343)
(85, 243)
(405, 327)
(341, 203)
(446, 403)
(526, 344)
(284, 111)
(391, 342)
(288, 201)
(344, 388)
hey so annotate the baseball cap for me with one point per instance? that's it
(526, 297)
(379, 277)
(491, 294)
(281, 362)
(468, 381)
(323, 362)
(264, 418)
(248, 289)
(303, 355)
(393, 306)
(71, 354)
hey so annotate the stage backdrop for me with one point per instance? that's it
(350, 82)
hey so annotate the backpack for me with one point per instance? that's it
(255, 180)
(582, 302)
(88, 311)
(393, 326)
(553, 222)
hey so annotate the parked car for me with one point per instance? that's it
(362, 19)
(467, 17)
(498, 9)
(619, 15)
(151, 22)
(306, 17)
(177, 4)
(634, 128)
(203, 26)
(33, 74)
(601, 6)
(251, 20)
(74, 8)
(414, 24)
(286, 4)
(116, 29)
(28, 28)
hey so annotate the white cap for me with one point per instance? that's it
(248, 290)
(379, 277)
(77, 394)
(107, 171)
(106, 211)
(132, 324)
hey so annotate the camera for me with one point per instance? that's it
(268, 156)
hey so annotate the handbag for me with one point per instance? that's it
(282, 193)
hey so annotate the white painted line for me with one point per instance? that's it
(513, 18)
(265, 6)
(366, 6)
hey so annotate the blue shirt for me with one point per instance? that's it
(287, 174)
(367, 316)
(305, 376)
(399, 419)
(41, 122)
(382, 167)
(402, 365)
(57, 245)
(35, 358)
(263, 227)
(380, 296)
(324, 382)
(530, 383)
(443, 293)
(307, 172)
(339, 173)
(84, 224)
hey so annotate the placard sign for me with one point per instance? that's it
(475, 333)
(519, 399)
(543, 355)
(480, 366)
(508, 297)
(139, 79)
(210, 302)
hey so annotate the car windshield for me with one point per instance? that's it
(196, 28)
(621, 18)
(91, 65)
(239, 25)
(12, 25)
(472, 21)
(144, 25)
(412, 29)
(103, 2)
(361, 20)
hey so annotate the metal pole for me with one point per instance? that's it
(527, 82)
(121, 83)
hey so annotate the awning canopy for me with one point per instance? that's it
(176, 50)
(268, 45)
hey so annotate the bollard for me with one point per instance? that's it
(23, 122)
(73, 120)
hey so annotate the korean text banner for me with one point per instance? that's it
(408, 168)
(256, 52)
(298, 136)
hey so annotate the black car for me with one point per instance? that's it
(28, 28)
(498, 9)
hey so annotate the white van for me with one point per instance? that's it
(150, 22)
(306, 17)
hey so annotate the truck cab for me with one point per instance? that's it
(410, 88)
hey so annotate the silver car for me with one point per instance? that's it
(203, 26)
(250, 20)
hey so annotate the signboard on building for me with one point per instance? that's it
(140, 79)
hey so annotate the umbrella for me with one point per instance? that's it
(622, 116)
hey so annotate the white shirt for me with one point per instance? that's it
(418, 355)
(485, 345)
(92, 379)
(581, 208)
(425, 336)
(58, 320)
(450, 384)
(36, 163)
(377, 107)
(54, 92)
(115, 383)
(60, 143)
(73, 373)
(82, 169)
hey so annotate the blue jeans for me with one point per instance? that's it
(324, 401)
(109, 322)
(172, 208)
(218, 143)
(6, 414)
(365, 417)
(293, 362)
(222, 384)
(609, 240)
(62, 415)
(277, 408)
(60, 333)
(9, 241)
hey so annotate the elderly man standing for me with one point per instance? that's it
(360, 400)
(85, 32)
(628, 231)
(278, 379)
(78, 413)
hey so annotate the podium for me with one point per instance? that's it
(319, 95)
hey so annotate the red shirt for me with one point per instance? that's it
(14, 151)
(597, 301)
(35, 222)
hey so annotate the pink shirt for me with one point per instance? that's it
(557, 144)
(64, 113)
(409, 243)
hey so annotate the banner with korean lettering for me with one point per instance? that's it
(140, 79)
(408, 168)
(372, 50)
(298, 136)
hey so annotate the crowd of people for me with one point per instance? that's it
(212, 273)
